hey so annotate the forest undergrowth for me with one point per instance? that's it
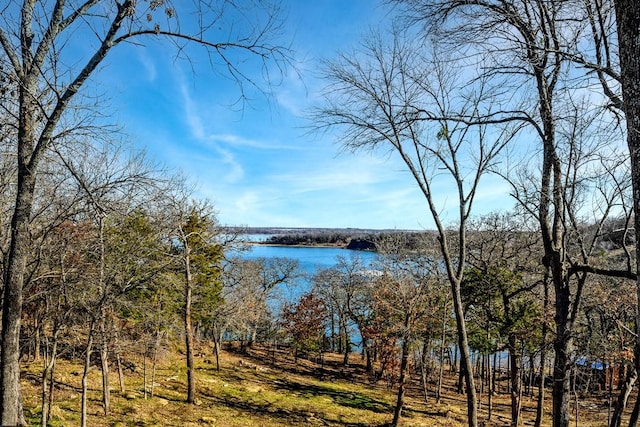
(263, 387)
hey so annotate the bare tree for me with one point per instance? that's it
(402, 97)
(34, 36)
(614, 23)
(115, 186)
(251, 290)
(55, 298)
(525, 47)
(404, 298)
(341, 287)
(628, 32)
(401, 300)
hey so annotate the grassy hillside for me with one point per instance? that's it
(262, 388)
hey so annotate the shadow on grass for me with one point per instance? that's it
(341, 397)
(298, 416)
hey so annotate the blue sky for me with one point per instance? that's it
(258, 164)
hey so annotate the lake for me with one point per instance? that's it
(310, 258)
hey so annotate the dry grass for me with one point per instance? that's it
(263, 389)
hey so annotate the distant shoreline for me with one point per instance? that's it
(301, 245)
(351, 239)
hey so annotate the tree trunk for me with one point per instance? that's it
(216, 349)
(85, 377)
(144, 374)
(154, 364)
(119, 363)
(628, 26)
(347, 346)
(104, 365)
(441, 368)
(610, 370)
(37, 333)
(562, 364)
(479, 368)
(11, 401)
(460, 387)
(454, 360)
(332, 328)
(516, 381)
(367, 350)
(254, 333)
(575, 395)
(52, 384)
(541, 393)
(633, 419)
(543, 358)
(623, 398)
(465, 356)
(424, 367)
(30, 150)
(188, 331)
(120, 373)
(369, 360)
(489, 388)
(49, 362)
(494, 372)
(401, 387)
(443, 337)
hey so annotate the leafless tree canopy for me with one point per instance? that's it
(49, 51)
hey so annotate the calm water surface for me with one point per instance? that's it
(311, 259)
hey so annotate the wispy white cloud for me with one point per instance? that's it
(237, 140)
(329, 173)
(293, 94)
(290, 101)
(234, 171)
(259, 167)
(148, 64)
(193, 119)
(190, 110)
(357, 192)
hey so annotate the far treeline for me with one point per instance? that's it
(349, 238)
(614, 236)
